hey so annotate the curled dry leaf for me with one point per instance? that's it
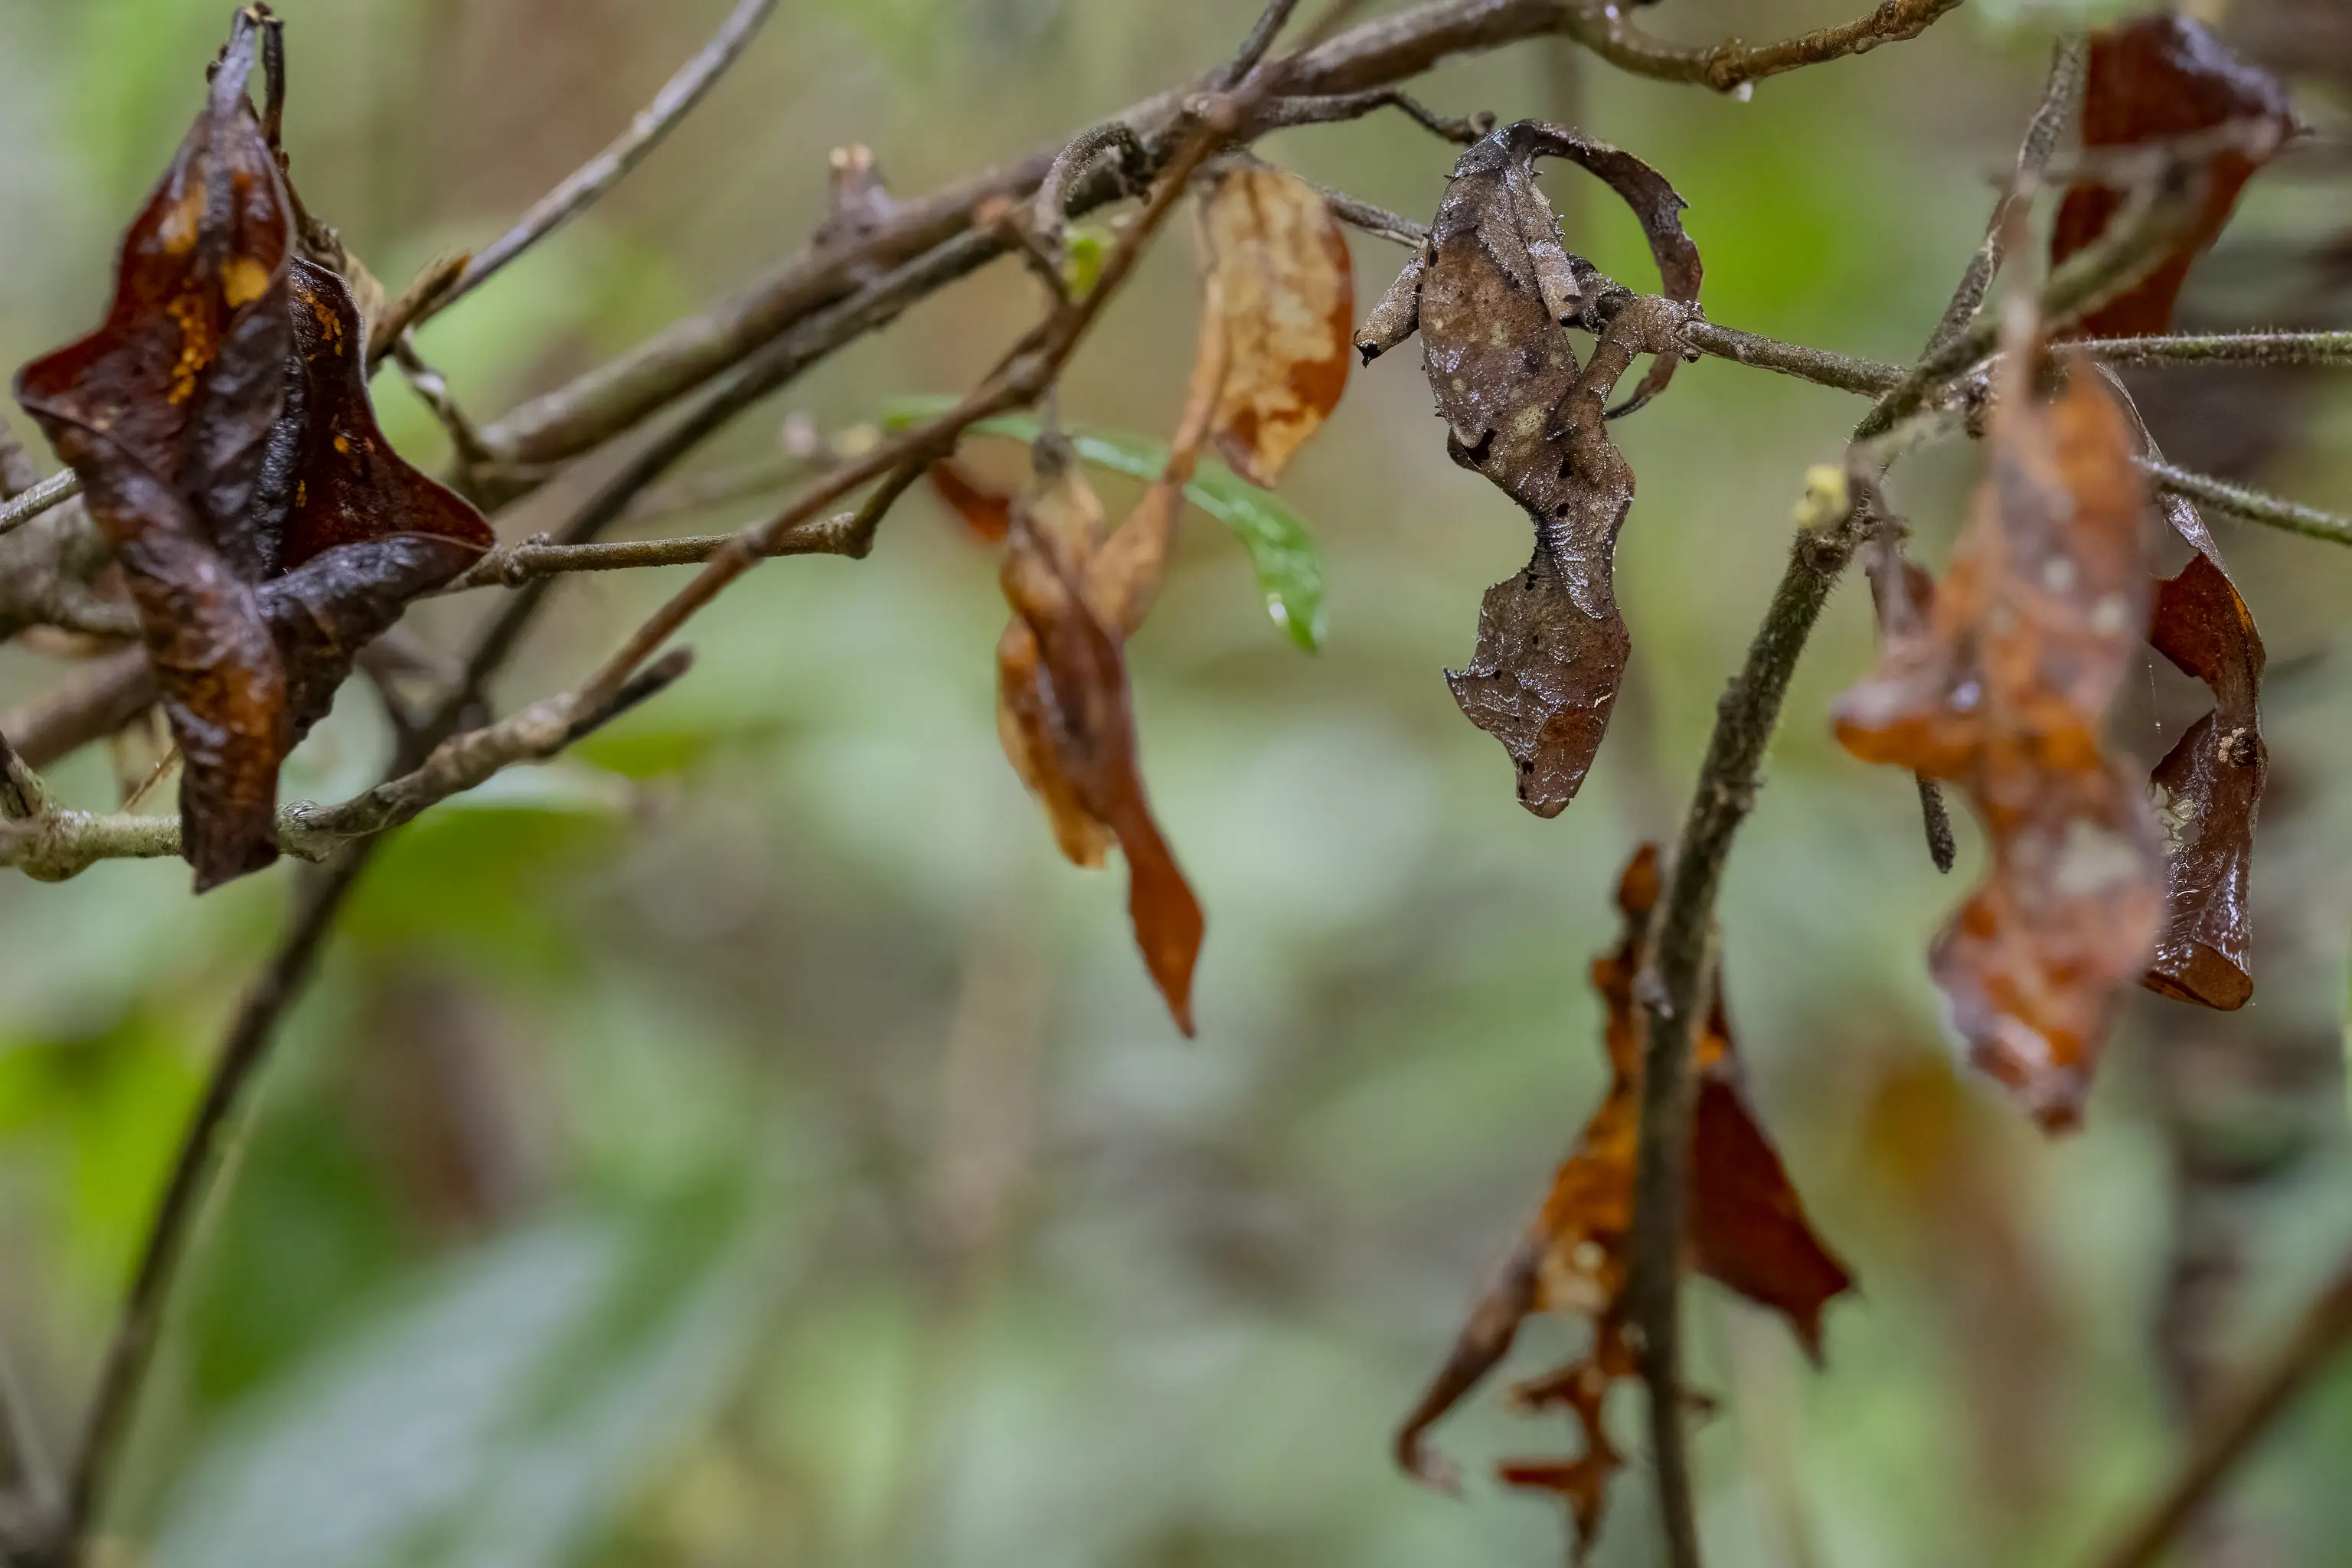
(1490, 296)
(1748, 1230)
(2003, 690)
(218, 420)
(166, 413)
(1068, 723)
(2208, 790)
(2162, 77)
(1062, 709)
(1286, 305)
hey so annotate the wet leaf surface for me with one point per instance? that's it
(1490, 297)
(1285, 302)
(219, 422)
(2209, 789)
(2159, 79)
(2002, 690)
(1748, 1230)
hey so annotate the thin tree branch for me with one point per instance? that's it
(318, 899)
(2133, 245)
(512, 566)
(1385, 51)
(1673, 988)
(2060, 93)
(2254, 506)
(29, 503)
(1019, 379)
(1289, 113)
(1730, 65)
(1262, 34)
(1871, 378)
(2293, 1366)
(2272, 349)
(100, 698)
(602, 172)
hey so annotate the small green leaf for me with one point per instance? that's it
(1288, 565)
(1083, 249)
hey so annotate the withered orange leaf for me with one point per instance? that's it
(1065, 717)
(2155, 79)
(219, 422)
(1285, 296)
(1490, 295)
(1748, 1230)
(2003, 690)
(985, 510)
(2208, 790)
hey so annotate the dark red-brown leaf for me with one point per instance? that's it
(219, 422)
(2159, 79)
(2208, 790)
(363, 532)
(166, 413)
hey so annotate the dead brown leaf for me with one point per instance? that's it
(219, 423)
(2003, 690)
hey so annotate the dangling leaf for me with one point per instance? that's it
(1748, 1230)
(2003, 690)
(1285, 296)
(2157, 78)
(1066, 691)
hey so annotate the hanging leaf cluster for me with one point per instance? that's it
(1277, 299)
(220, 425)
(2001, 678)
(1748, 1229)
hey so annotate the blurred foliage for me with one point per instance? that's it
(748, 1143)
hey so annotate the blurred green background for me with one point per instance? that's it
(748, 1143)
